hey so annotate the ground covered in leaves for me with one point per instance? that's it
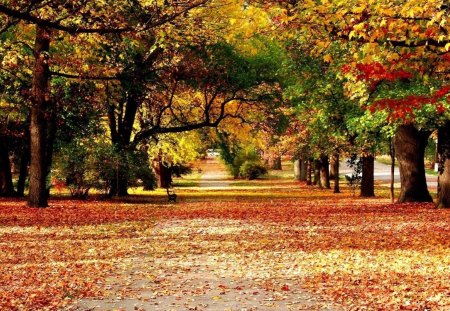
(273, 244)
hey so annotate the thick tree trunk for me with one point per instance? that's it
(38, 196)
(367, 180)
(308, 173)
(317, 181)
(444, 166)
(335, 168)
(303, 170)
(276, 164)
(6, 184)
(410, 150)
(325, 172)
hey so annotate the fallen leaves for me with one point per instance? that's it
(360, 253)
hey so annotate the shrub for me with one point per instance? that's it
(252, 170)
(75, 166)
(237, 159)
(87, 164)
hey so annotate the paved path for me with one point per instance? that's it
(214, 175)
(204, 278)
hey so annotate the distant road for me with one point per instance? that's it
(383, 172)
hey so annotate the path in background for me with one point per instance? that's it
(214, 174)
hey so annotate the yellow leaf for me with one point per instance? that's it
(327, 58)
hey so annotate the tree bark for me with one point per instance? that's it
(317, 181)
(23, 173)
(335, 167)
(6, 184)
(325, 172)
(38, 196)
(367, 180)
(443, 200)
(276, 164)
(297, 168)
(392, 154)
(303, 170)
(410, 146)
(308, 173)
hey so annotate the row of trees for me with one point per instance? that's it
(320, 79)
(369, 75)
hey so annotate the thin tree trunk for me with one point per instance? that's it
(38, 196)
(303, 170)
(297, 168)
(276, 165)
(335, 167)
(23, 173)
(443, 200)
(6, 184)
(332, 167)
(367, 180)
(308, 173)
(410, 150)
(317, 181)
(392, 154)
(325, 172)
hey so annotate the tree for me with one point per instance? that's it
(71, 17)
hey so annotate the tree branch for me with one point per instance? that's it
(83, 77)
(28, 17)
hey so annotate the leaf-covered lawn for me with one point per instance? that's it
(354, 252)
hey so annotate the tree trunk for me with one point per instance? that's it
(38, 196)
(392, 154)
(308, 173)
(325, 172)
(335, 168)
(297, 168)
(6, 184)
(410, 150)
(367, 179)
(317, 181)
(443, 200)
(121, 127)
(23, 173)
(303, 170)
(276, 164)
